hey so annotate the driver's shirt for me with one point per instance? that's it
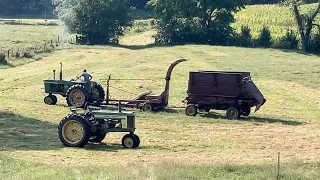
(86, 76)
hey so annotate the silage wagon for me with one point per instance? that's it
(221, 90)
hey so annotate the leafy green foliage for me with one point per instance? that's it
(98, 21)
(195, 21)
(245, 37)
(264, 38)
(288, 41)
(26, 7)
(2, 58)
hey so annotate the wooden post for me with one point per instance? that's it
(44, 48)
(278, 167)
(8, 53)
(58, 39)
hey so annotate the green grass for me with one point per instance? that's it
(172, 144)
(16, 169)
(278, 18)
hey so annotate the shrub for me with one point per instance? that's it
(244, 38)
(288, 41)
(315, 43)
(264, 38)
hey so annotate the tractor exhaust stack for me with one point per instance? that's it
(60, 71)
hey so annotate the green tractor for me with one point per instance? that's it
(92, 125)
(77, 93)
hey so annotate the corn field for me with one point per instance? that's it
(278, 18)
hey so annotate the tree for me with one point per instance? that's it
(98, 21)
(195, 21)
(305, 23)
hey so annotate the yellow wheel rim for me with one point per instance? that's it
(128, 142)
(72, 132)
(77, 98)
(95, 94)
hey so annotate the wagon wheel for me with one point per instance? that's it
(191, 110)
(74, 131)
(233, 113)
(245, 111)
(77, 96)
(130, 141)
(147, 107)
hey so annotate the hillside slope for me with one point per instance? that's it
(172, 144)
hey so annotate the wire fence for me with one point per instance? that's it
(33, 50)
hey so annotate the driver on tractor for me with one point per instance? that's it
(86, 76)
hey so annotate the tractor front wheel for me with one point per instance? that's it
(130, 141)
(74, 131)
(191, 110)
(50, 100)
(77, 96)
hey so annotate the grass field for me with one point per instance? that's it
(173, 145)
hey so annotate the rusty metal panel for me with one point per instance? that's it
(214, 83)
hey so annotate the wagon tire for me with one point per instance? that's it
(233, 113)
(147, 107)
(77, 96)
(129, 141)
(245, 111)
(98, 138)
(74, 131)
(98, 94)
(191, 110)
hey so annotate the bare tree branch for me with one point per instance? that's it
(316, 12)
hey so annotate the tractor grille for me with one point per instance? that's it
(131, 122)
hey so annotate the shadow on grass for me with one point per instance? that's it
(140, 47)
(22, 133)
(112, 147)
(254, 119)
(299, 52)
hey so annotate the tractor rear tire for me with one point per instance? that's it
(74, 131)
(130, 141)
(50, 100)
(97, 95)
(147, 107)
(233, 113)
(77, 96)
(98, 138)
(191, 110)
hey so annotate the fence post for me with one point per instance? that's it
(8, 53)
(44, 48)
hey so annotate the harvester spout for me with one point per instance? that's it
(165, 93)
